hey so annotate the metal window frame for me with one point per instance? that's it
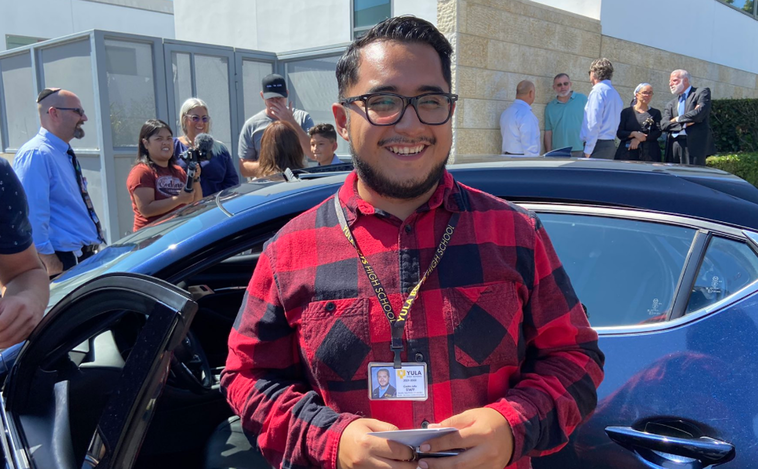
(753, 15)
(353, 29)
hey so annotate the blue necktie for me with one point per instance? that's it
(680, 110)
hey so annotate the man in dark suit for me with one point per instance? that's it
(385, 389)
(686, 119)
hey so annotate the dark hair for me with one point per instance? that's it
(325, 130)
(602, 68)
(150, 128)
(280, 149)
(407, 29)
(562, 75)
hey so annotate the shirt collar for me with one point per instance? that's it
(521, 102)
(53, 140)
(447, 194)
(686, 92)
(604, 83)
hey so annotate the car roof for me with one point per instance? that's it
(694, 191)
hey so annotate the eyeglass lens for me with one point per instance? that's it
(386, 109)
(196, 118)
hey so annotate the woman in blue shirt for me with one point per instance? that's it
(219, 172)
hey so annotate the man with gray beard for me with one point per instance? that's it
(65, 227)
(563, 117)
(686, 119)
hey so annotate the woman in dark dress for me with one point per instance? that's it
(640, 128)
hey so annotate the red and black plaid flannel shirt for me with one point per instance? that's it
(497, 322)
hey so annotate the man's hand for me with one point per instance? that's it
(483, 432)
(18, 317)
(25, 287)
(634, 144)
(357, 449)
(587, 155)
(284, 112)
(53, 265)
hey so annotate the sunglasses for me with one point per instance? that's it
(195, 118)
(565, 83)
(77, 110)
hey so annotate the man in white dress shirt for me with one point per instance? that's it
(519, 125)
(602, 113)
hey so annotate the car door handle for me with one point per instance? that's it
(707, 450)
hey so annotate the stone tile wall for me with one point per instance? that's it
(498, 43)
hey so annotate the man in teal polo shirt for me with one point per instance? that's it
(563, 117)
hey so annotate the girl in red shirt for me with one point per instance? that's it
(156, 183)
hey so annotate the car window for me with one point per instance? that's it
(728, 266)
(624, 272)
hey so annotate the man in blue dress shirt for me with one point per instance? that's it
(65, 228)
(602, 113)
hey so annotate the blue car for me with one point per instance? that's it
(123, 370)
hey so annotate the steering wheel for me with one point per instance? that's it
(190, 369)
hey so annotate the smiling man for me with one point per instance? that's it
(404, 269)
(65, 227)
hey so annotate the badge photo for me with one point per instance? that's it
(409, 382)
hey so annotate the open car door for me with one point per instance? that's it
(83, 389)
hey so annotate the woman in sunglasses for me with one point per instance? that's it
(219, 171)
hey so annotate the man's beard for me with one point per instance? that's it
(394, 190)
(678, 89)
(78, 132)
(564, 94)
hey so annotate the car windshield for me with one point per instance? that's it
(137, 248)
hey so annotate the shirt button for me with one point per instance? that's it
(419, 357)
(424, 424)
(408, 228)
(330, 306)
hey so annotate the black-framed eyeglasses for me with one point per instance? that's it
(384, 109)
(195, 118)
(77, 110)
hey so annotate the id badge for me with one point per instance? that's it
(407, 383)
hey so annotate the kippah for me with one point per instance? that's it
(46, 92)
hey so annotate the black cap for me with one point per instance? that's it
(274, 86)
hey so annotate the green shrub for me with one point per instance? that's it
(744, 165)
(735, 125)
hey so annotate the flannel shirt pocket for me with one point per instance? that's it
(485, 324)
(335, 339)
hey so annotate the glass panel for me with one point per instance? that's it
(313, 88)
(69, 66)
(744, 5)
(131, 89)
(212, 81)
(12, 41)
(182, 77)
(728, 266)
(252, 74)
(623, 271)
(19, 99)
(370, 12)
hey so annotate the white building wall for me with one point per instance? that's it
(55, 18)
(704, 29)
(280, 26)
